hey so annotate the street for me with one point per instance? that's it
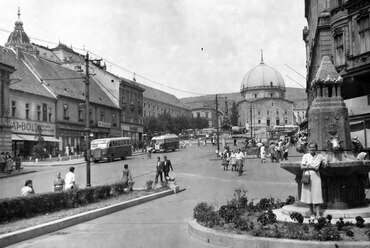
(163, 222)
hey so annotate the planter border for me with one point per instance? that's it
(240, 241)
(35, 231)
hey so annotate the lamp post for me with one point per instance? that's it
(87, 124)
(217, 127)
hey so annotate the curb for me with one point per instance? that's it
(35, 231)
(240, 241)
(16, 174)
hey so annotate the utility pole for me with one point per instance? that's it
(250, 110)
(87, 124)
(217, 133)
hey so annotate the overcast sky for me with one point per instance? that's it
(198, 46)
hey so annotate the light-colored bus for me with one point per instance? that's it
(108, 149)
(165, 143)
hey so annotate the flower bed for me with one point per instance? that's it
(247, 218)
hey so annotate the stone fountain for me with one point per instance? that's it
(343, 179)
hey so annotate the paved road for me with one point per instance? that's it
(163, 222)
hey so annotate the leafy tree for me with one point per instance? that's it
(39, 150)
(151, 125)
(199, 123)
(234, 115)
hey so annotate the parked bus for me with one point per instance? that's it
(108, 149)
(165, 143)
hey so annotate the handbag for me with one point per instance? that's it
(306, 178)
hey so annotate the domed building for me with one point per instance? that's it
(264, 105)
(18, 38)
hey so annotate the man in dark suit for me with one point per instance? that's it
(159, 170)
(166, 167)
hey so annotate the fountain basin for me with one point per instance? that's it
(343, 182)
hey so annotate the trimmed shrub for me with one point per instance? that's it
(267, 218)
(205, 213)
(297, 217)
(229, 213)
(25, 207)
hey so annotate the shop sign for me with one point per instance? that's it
(30, 127)
(104, 124)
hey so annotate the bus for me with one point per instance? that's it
(108, 149)
(279, 132)
(165, 143)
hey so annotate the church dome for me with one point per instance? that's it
(262, 76)
(18, 37)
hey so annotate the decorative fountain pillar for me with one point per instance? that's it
(328, 125)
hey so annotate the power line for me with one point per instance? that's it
(295, 71)
(294, 81)
(112, 63)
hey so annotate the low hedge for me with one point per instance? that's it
(25, 207)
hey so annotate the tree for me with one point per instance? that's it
(39, 150)
(199, 123)
(151, 125)
(234, 115)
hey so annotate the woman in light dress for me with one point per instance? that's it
(312, 192)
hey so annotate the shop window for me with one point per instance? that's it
(66, 111)
(339, 49)
(14, 108)
(27, 109)
(364, 33)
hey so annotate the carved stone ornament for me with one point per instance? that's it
(332, 128)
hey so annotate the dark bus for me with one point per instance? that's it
(165, 143)
(108, 149)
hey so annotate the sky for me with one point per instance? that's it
(184, 47)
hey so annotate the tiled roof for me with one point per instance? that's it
(161, 96)
(65, 82)
(24, 79)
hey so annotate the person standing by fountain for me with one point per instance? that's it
(311, 191)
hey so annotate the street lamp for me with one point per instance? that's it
(87, 123)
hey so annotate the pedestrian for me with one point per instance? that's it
(311, 190)
(28, 188)
(205, 141)
(126, 177)
(67, 150)
(198, 143)
(235, 142)
(263, 154)
(58, 183)
(9, 164)
(18, 163)
(166, 167)
(158, 170)
(2, 162)
(233, 160)
(149, 152)
(239, 161)
(70, 179)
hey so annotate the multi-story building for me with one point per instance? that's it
(157, 102)
(52, 97)
(5, 125)
(341, 30)
(209, 113)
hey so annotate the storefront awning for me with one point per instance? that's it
(16, 137)
(51, 139)
(32, 138)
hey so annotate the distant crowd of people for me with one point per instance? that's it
(8, 164)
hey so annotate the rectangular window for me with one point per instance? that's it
(50, 114)
(259, 112)
(66, 111)
(364, 34)
(268, 122)
(80, 113)
(339, 49)
(286, 112)
(44, 112)
(259, 121)
(27, 109)
(14, 108)
(38, 112)
(286, 121)
(102, 115)
(268, 112)
(277, 112)
(91, 117)
(198, 114)
(114, 120)
(277, 122)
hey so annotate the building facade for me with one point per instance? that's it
(341, 30)
(210, 114)
(264, 105)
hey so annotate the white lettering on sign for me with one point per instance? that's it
(30, 127)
